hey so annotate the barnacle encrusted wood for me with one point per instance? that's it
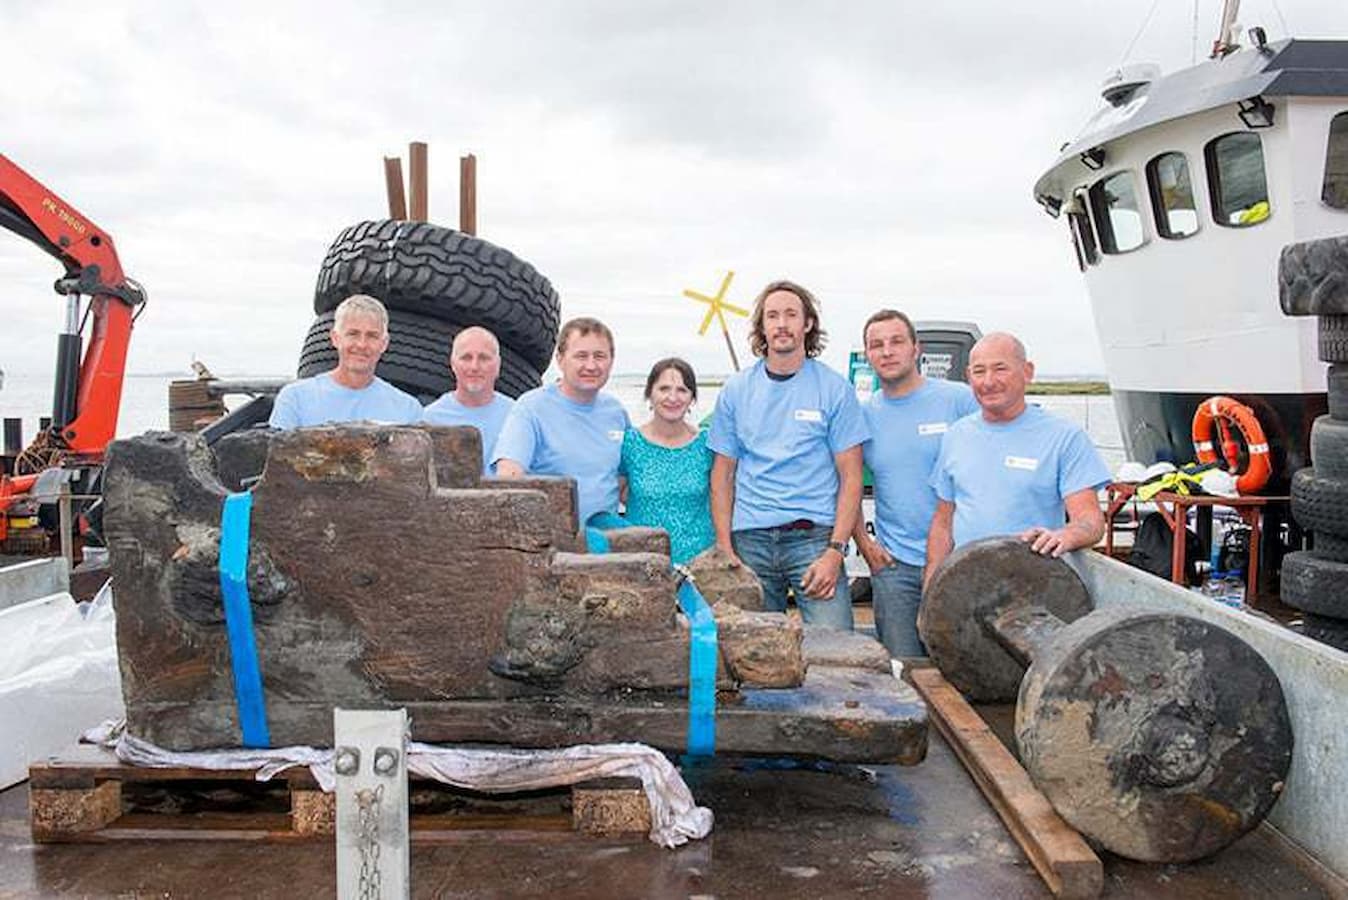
(373, 584)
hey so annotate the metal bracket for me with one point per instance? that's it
(370, 760)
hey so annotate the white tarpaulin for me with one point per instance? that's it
(675, 818)
(58, 673)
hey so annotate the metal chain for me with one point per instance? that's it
(370, 809)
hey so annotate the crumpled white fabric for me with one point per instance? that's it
(58, 673)
(675, 817)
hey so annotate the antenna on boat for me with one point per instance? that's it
(1193, 41)
(1228, 36)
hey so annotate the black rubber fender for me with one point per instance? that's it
(1320, 502)
(1329, 446)
(444, 274)
(1315, 585)
(1334, 338)
(1313, 277)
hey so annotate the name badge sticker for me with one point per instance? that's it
(809, 415)
(615, 435)
(928, 428)
(1025, 463)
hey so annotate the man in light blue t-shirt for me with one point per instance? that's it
(351, 392)
(475, 359)
(786, 481)
(907, 418)
(571, 427)
(1014, 469)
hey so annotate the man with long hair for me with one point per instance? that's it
(786, 481)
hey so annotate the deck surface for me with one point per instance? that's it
(783, 830)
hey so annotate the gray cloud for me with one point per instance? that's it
(882, 152)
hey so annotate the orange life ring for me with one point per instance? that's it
(1225, 413)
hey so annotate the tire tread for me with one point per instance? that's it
(438, 272)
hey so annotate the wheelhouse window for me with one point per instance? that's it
(1236, 177)
(1172, 196)
(1083, 235)
(1335, 191)
(1117, 214)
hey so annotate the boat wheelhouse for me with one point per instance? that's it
(1179, 195)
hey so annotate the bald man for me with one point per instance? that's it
(1013, 468)
(475, 359)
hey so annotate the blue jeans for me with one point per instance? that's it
(896, 592)
(779, 557)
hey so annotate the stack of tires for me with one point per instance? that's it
(1313, 281)
(435, 282)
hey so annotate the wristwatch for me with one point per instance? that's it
(840, 546)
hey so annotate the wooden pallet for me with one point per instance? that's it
(87, 795)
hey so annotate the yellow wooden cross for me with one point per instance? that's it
(717, 307)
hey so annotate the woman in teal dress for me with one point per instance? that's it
(667, 464)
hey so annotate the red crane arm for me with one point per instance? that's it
(92, 269)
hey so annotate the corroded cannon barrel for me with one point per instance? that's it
(1161, 736)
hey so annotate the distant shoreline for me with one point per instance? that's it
(1040, 388)
(1048, 387)
(1094, 388)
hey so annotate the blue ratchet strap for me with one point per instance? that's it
(702, 657)
(234, 526)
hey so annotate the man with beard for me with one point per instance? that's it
(907, 418)
(786, 481)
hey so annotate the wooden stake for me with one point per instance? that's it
(1058, 853)
(393, 185)
(417, 169)
(468, 194)
(730, 345)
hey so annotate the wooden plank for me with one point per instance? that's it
(393, 185)
(417, 174)
(468, 194)
(84, 765)
(1061, 856)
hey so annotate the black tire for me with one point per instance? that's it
(1313, 277)
(1329, 546)
(417, 358)
(1326, 630)
(1338, 392)
(1315, 585)
(1329, 447)
(445, 274)
(1320, 502)
(1334, 339)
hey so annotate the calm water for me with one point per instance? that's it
(145, 406)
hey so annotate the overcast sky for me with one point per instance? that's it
(880, 153)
